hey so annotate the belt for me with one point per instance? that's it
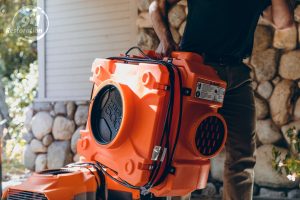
(221, 60)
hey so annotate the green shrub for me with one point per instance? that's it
(290, 163)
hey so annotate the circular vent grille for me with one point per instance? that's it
(210, 136)
(106, 115)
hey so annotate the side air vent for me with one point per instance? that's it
(210, 136)
(25, 195)
(106, 114)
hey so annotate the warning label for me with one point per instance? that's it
(210, 92)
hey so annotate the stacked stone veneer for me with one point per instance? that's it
(53, 131)
(53, 128)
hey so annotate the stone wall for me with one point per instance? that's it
(53, 130)
(276, 79)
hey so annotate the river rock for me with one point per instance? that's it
(264, 22)
(60, 108)
(280, 102)
(265, 175)
(63, 128)
(144, 20)
(262, 38)
(295, 193)
(209, 191)
(71, 108)
(176, 16)
(143, 5)
(29, 158)
(268, 193)
(75, 138)
(267, 132)
(37, 146)
(47, 140)
(264, 64)
(52, 113)
(289, 67)
(221, 190)
(41, 162)
(265, 89)
(183, 2)
(58, 154)
(81, 115)
(262, 108)
(80, 103)
(28, 118)
(28, 137)
(285, 38)
(41, 124)
(276, 80)
(147, 39)
(42, 106)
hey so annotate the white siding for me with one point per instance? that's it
(79, 32)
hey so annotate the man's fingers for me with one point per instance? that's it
(165, 50)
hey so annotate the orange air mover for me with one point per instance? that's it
(154, 123)
(61, 184)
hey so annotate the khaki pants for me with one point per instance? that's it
(239, 113)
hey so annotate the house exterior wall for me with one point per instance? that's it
(79, 32)
(275, 67)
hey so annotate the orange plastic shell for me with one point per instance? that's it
(144, 98)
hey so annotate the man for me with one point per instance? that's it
(222, 32)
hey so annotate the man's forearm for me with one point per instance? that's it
(158, 11)
(282, 11)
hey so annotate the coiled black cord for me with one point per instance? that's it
(169, 164)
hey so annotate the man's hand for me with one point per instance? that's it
(159, 15)
(165, 49)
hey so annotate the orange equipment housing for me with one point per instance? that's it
(79, 181)
(127, 112)
(66, 184)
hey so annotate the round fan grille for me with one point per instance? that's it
(106, 114)
(210, 136)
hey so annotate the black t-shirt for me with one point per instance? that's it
(222, 27)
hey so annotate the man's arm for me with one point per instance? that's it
(283, 16)
(280, 14)
(159, 15)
